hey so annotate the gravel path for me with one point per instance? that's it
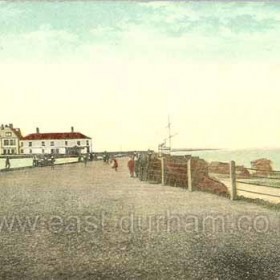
(77, 222)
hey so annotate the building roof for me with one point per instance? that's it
(10, 127)
(17, 132)
(55, 136)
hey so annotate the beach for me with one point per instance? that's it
(91, 222)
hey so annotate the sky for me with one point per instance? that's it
(116, 71)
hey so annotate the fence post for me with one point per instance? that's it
(190, 174)
(232, 181)
(162, 171)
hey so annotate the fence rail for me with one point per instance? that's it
(193, 173)
(259, 184)
(186, 172)
(254, 186)
(272, 195)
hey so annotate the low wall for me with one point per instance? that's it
(22, 163)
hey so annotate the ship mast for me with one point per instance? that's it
(169, 132)
(162, 148)
(170, 136)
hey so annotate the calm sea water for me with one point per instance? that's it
(241, 157)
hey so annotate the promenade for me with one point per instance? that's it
(90, 222)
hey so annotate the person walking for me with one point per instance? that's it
(115, 164)
(85, 160)
(8, 164)
(106, 157)
(35, 161)
(52, 161)
(131, 166)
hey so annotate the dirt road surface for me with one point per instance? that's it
(90, 222)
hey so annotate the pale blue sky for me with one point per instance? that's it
(193, 30)
(119, 68)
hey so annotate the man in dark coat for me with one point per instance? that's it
(8, 164)
(131, 166)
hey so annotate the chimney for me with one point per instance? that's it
(37, 130)
(2, 126)
(10, 125)
(72, 128)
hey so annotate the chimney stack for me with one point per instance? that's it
(72, 128)
(10, 125)
(37, 130)
(2, 126)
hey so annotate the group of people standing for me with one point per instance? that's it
(137, 163)
(114, 162)
(133, 164)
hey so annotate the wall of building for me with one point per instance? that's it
(9, 142)
(54, 146)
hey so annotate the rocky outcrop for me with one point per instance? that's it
(176, 173)
(242, 172)
(209, 184)
(177, 176)
(262, 167)
(218, 167)
(223, 168)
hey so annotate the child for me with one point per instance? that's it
(115, 164)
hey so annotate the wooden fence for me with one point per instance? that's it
(186, 172)
(257, 185)
(266, 188)
(192, 173)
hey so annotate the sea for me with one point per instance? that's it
(241, 157)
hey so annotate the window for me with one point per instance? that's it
(66, 143)
(43, 151)
(43, 143)
(30, 144)
(78, 143)
(12, 142)
(8, 134)
(6, 142)
(12, 151)
(21, 144)
(30, 151)
(21, 151)
(87, 142)
(52, 143)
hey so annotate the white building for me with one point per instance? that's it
(69, 143)
(9, 140)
